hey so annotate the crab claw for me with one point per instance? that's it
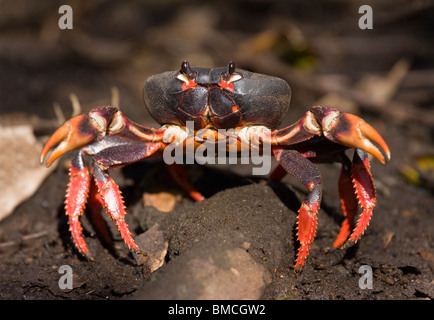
(73, 134)
(353, 132)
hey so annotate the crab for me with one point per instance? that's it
(238, 110)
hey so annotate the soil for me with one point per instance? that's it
(44, 64)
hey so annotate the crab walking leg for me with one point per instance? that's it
(75, 202)
(302, 169)
(348, 202)
(277, 175)
(180, 177)
(95, 204)
(114, 204)
(365, 191)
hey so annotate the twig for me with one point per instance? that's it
(26, 238)
(397, 110)
(76, 107)
(59, 113)
(115, 96)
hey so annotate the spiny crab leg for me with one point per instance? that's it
(77, 196)
(304, 171)
(114, 204)
(111, 140)
(75, 202)
(365, 191)
(355, 186)
(355, 182)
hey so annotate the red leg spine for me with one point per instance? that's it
(178, 174)
(114, 205)
(95, 204)
(365, 191)
(76, 197)
(348, 203)
(302, 169)
(307, 225)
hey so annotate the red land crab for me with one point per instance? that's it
(251, 105)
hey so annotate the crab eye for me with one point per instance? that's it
(187, 75)
(187, 70)
(185, 67)
(230, 76)
(231, 67)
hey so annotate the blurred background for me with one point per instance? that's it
(317, 46)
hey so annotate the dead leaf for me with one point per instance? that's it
(426, 255)
(163, 201)
(154, 244)
(20, 171)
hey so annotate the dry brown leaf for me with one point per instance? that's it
(154, 243)
(163, 201)
(20, 171)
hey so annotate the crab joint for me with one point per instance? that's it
(117, 123)
(207, 145)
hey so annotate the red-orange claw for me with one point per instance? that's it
(74, 134)
(354, 132)
(368, 131)
(59, 135)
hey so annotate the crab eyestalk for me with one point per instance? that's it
(77, 133)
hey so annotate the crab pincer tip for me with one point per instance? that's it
(368, 132)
